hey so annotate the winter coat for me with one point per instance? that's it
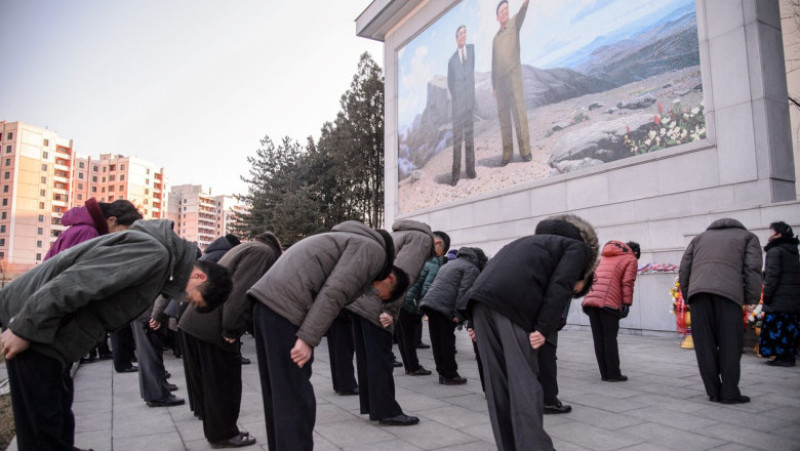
(413, 244)
(724, 260)
(84, 223)
(782, 276)
(315, 278)
(421, 286)
(614, 278)
(217, 249)
(66, 305)
(247, 263)
(531, 280)
(452, 283)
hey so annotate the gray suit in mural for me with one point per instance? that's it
(461, 83)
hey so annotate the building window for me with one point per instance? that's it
(8, 161)
(94, 168)
(146, 191)
(103, 190)
(111, 188)
(41, 218)
(146, 181)
(10, 135)
(184, 208)
(39, 243)
(8, 149)
(94, 178)
(46, 142)
(44, 179)
(104, 169)
(38, 257)
(3, 215)
(111, 198)
(112, 178)
(2, 241)
(122, 167)
(39, 231)
(42, 193)
(80, 164)
(5, 202)
(147, 171)
(94, 189)
(5, 188)
(80, 196)
(122, 177)
(80, 185)
(6, 175)
(41, 205)
(2, 228)
(45, 155)
(80, 175)
(44, 167)
(104, 179)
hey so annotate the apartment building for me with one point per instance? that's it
(112, 177)
(200, 216)
(35, 171)
(42, 177)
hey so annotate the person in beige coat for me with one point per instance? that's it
(295, 303)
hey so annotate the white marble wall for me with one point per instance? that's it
(745, 169)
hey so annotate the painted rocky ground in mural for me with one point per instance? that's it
(567, 135)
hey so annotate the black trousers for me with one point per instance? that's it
(219, 393)
(41, 397)
(718, 334)
(375, 366)
(191, 360)
(341, 351)
(290, 408)
(605, 327)
(513, 391)
(548, 373)
(407, 324)
(443, 344)
(152, 374)
(122, 347)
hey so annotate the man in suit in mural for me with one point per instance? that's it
(461, 83)
(507, 82)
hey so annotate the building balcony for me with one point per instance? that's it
(61, 167)
(59, 203)
(61, 179)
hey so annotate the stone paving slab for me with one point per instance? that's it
(662, 407)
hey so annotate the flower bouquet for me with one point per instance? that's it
(683, 318)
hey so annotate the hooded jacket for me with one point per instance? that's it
(247, 262)
(413, 244)
(217, 249)
(531, 280)
(84, 223)
(452, 283)
(614, 278)
(418, 289)
(67, 304)
(315, 278)
(782, 276)
(724, 260)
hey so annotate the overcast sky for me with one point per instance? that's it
(191, 85)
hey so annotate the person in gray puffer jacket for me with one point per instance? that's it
(295, 303)
(721, 270)
(374, 323)
(58, 310)
(451, 284)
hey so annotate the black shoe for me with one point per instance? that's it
(741, 399)
(400, 420)
(454, 181)
(558, 407)
(785, 363)
(244, 360)
(351, 392)
(457, 380)
(169, 401)
(419, 372)
(397, 364)
(172, 387)
(471, 175)
(130, 369)
(620, 378)
(243, 439)
(422, 345)
(167, 375)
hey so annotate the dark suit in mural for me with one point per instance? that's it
(461, 83)
(507, 82)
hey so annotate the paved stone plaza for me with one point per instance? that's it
(661, 407)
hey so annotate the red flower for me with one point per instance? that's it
(658, 120)
(660, 108)
(627, 130)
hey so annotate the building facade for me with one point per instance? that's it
(200, 216)
(742, 165)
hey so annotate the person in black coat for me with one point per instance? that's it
(779, 336)
(515, 303)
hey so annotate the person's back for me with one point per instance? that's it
(614, 277)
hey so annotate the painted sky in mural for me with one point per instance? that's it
(601, 79)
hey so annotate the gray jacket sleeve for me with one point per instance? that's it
(752, 270)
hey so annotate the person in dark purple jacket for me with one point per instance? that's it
(92, 220)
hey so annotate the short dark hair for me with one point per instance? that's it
(637, 250)
(445, 239)
(122, 209)
(497, 11)
(271, 240)
(400, 285)
(459, 28)
(783, 228)
(217, 287)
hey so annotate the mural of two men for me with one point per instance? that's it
(507, 87)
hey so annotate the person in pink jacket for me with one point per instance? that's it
(608, 301)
